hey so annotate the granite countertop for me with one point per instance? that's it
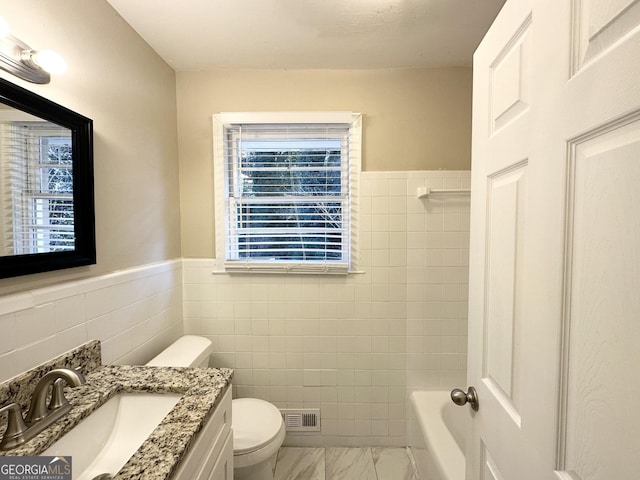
(159, 456)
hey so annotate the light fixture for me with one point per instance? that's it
(47, 60)
(19, 59)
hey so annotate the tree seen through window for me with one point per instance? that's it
(292, 204)
(52, 199)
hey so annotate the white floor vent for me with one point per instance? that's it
(301, 420)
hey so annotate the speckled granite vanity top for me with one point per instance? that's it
(161, 453)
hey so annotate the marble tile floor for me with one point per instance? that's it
(337, 463)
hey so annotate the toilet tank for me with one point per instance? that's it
(187, 351)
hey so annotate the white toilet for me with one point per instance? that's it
(258, 429)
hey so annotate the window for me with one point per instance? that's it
(39, 186)
(286, 187)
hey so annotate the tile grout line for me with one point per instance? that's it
(375, 467)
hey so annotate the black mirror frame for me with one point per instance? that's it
(83, 200)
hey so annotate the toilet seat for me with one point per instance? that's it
(256, 423)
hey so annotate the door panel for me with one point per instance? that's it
(506, 221)
(510, 79)
(490, 470)
(599, 436)
(599, 25)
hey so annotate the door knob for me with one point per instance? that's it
(459, 397)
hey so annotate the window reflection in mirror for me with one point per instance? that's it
(36, 195)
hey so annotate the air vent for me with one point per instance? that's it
(301, 420)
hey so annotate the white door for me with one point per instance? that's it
(554, 300)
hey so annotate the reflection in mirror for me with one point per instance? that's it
(46, 185)
(36, 194)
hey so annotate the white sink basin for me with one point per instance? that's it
(105, 440)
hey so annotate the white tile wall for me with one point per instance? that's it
(351, 345)
(437, 288)
(135, 313)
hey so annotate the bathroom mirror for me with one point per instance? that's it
(46, 185)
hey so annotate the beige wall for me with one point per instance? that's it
(414, 119)
(116, 79)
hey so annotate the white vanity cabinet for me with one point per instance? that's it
(211, 455)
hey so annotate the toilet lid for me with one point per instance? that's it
(255, 423)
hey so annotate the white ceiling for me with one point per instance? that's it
(300, 34)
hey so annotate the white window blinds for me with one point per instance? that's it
(287, 194)
(37, 190)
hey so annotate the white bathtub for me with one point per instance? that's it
(437, 429)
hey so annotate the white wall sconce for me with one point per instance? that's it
(19, 59)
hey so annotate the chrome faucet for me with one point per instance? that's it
(40, 415)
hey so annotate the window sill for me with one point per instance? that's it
(280, 269)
